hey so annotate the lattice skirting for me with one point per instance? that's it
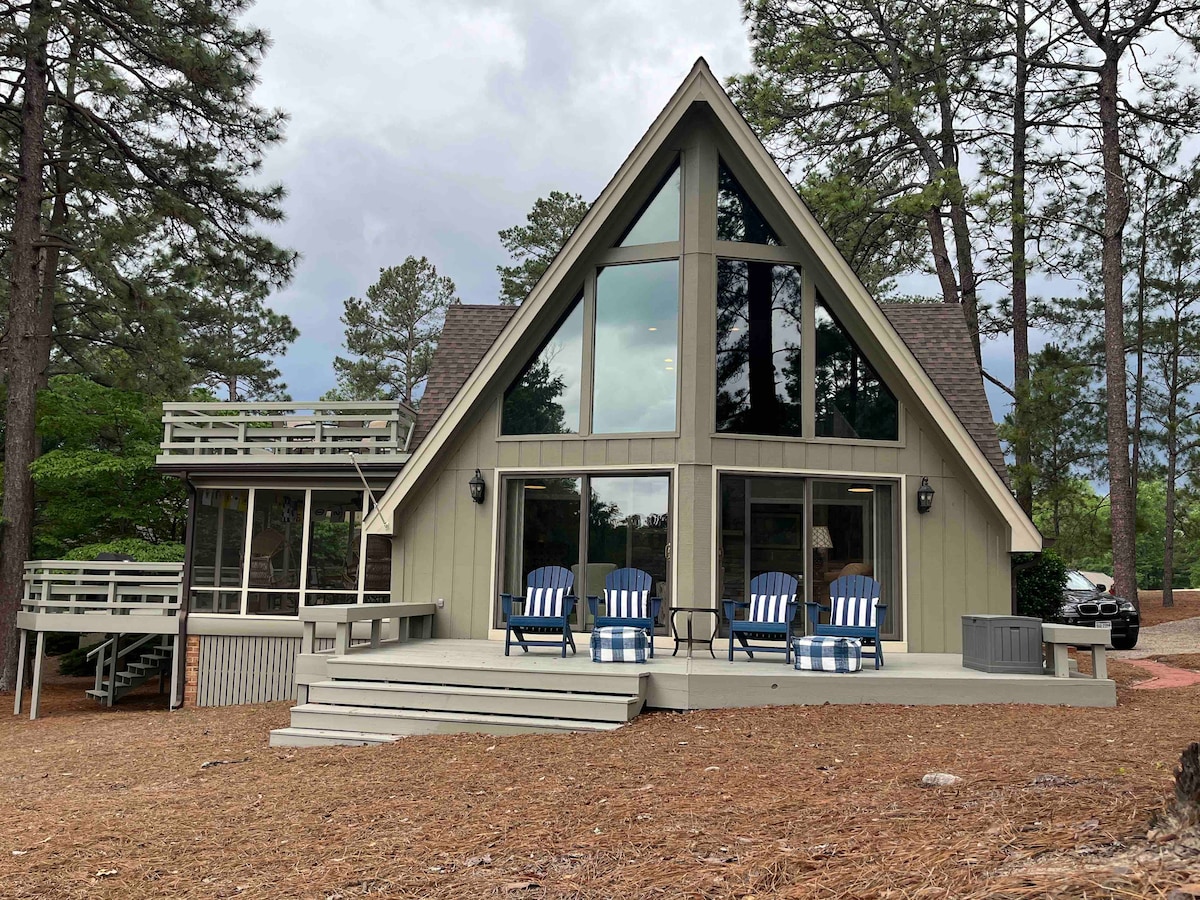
(237, 669)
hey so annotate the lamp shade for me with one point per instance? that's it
(821, 539)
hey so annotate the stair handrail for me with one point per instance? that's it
(105, 661)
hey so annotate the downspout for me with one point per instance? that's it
(185, 591)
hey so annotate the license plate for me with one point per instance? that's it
(1107, 626)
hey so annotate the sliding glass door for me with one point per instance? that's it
(815, 529)
(590, 524)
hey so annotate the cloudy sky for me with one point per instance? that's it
(424, 128)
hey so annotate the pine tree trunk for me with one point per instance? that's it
(1116, 212)
(1173, 398)
(941, 256)
(1020, 285)
(1139, 390)
(28, 354)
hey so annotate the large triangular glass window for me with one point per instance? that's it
(852, 400)
(738, 219)
(658, 222)
(544, 398)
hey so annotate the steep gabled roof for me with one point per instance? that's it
(700, 86)
(938, 335)
(468, 334)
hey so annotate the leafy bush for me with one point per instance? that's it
(141, 551)
(1039, 579)
(76, 662)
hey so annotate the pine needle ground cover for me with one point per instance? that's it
(773, 802)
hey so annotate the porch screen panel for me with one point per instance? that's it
(542, 519)
(334, 532)
(759, 373)
(628, 526)
(218, 541)
(852, 400)
(545, 397)
(636, 348)
(276, 547)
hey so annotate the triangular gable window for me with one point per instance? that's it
(738, 219)
(852, 400)
(544, 398)
(658, 222)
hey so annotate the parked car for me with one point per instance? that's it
(1086, 604)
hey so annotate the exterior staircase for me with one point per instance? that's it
(138, 662)
(364, 702)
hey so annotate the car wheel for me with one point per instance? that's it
(1125, 642)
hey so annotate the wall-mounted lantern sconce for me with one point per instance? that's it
(924, 496)
(477, 487)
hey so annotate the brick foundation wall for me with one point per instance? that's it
(191, 669)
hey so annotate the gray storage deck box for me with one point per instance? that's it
(1008, 644)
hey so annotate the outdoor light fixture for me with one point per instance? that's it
(924, 496)
(861, 489)
(477, 486)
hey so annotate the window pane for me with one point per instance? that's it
(545, 397)
(738, 219)
(329, 599)
(758, 348)
(334, 527)
(277, 532)
(637, 314)
(378, 576)
(218, 538)
(852, 401)
(628, 525)
(659, 221)
(541, 527)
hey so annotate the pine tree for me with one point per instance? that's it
(393, 332)
(131, 149)
(534, 245)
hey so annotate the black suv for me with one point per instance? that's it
(1086, 604)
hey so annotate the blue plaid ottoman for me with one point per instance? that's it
(828, 654)
(619, 644)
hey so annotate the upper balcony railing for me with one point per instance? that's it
(282, 432)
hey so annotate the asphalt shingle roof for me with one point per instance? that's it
(935, 332)
(469, 332)
(938, 336)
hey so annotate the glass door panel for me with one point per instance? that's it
(628, 526)
(542, 528)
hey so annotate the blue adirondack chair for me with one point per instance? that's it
(546, 609)
(627, 602)
(770, 614)
(854, 611)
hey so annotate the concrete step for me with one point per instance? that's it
(534, 675)
(468, 699)
(334, 717)
(318, 737)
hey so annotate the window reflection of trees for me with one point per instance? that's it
(758, 348)
(851, 399)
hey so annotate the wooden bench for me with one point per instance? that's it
(1057, 639)
(414, 620)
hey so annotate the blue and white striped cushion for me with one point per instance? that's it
(625, 604)
(544, 601)
(858, 612)
(828, 654)
(619, 644)
(769, 608)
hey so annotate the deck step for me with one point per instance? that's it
(320, 737)
(370, 720)
(489, 674)
(546, 704)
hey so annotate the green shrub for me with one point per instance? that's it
(141, 551)
(76, 662)
(1039, 579)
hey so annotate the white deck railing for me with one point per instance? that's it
(102, 588)
(285, 432)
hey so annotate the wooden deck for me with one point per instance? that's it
(436, 686)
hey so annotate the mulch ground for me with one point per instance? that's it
(786, 802)
(1187, 605)
(1180, 660)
